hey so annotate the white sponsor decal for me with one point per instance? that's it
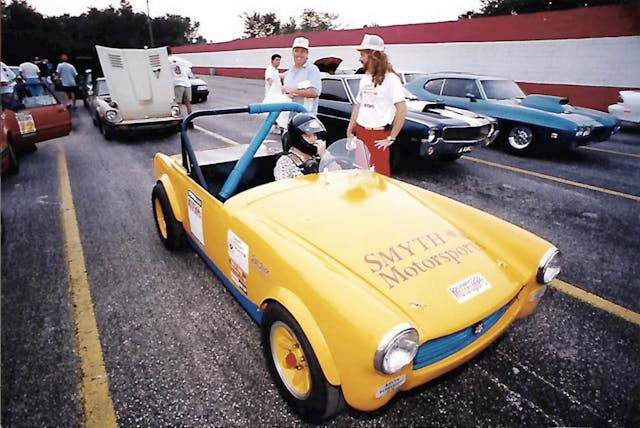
(238, 260)
(195, 216)
(469, 288)
(393, 384)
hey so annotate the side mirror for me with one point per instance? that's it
(471, 97)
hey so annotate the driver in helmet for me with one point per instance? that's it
(304, 144)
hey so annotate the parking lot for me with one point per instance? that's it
(178, 350)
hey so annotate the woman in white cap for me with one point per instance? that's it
(302, 82)
(380, 109)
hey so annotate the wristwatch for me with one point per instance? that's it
(391, 139)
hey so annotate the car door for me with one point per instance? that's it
(39, 115)
(334, 108)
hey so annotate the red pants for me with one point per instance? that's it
(379, 158)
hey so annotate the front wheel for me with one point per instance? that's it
(105, 131)
(295, 368)
(519, 139)
(170, 230)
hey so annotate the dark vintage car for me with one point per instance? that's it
(524, 120)
(431, 131)
(199, 89)
(31, 114)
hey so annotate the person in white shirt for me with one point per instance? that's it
(7, 81)
(31, 75)
(271, 74)
(380, 109)
(180, 69)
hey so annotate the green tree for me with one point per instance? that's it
(27, 34)
(259, 25)
(515, 7)
(311, 20)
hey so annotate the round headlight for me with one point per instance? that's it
(112, 116)
(432, 135)
(549, 266)
(396, 349)
(175, 111)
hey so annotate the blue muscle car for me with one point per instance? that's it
(524, 120)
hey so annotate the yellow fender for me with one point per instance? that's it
(311, 330)
(173, 198)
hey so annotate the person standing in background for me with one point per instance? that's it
(271, 74)
(31, 75)
(7, 83)
(180, 69)
(302, 82)
(380, 109)
(66, 73)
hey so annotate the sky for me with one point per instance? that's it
(221, 21)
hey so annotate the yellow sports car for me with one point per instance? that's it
(362, 285)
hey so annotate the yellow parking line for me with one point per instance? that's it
(94, 385)
(598, 302)
(613, 152)
(556, 179)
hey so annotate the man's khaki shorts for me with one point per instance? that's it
(182, 93)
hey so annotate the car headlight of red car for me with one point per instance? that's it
(396, 349)
(549, 266)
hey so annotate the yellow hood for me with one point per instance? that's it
(391, 240)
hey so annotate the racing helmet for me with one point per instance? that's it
(303, 123)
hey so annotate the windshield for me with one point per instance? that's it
(502, 89)
(347, 153)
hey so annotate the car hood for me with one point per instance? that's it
(549, 106)
(468, 117)
(387, 240)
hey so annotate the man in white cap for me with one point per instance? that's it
(302, 81)
(380, 109)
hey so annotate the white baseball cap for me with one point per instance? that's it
(300, 42)
(371, 42)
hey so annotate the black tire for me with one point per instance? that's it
(295, 369)
(169, 229)
(105, 131)
(14, 167)
(519, 139)
(450, 157)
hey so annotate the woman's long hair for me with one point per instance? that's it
(378, 66)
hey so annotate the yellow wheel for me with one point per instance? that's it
(290, 361)
(295, 368)
(160, 221)
(169, 229)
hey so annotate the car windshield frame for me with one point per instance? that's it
(501, 89)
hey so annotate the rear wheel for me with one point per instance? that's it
(519, 139)
(295, 367)
(169, 229)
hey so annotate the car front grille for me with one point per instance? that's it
(466, 134)
(438, 349)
